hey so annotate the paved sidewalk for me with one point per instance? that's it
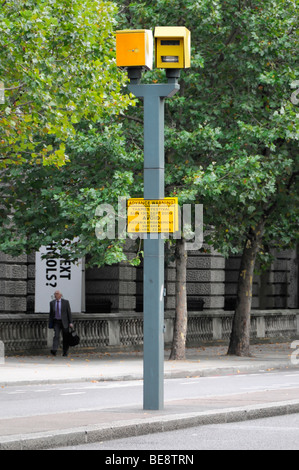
(62, 429)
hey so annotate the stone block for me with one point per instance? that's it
(31, 271)
(102, 287)
(13, 271)
(216, 302)
(200, 275)
(171, 275)
(31, 287)
(285, 254)
(126, 303)
(169, 303)
(128, 288)
(231, 276)
(13, 304)
(281, 289)
(105, 272)
(31, 258)
(170, 288)
(12, 259)
(233, 263)
(205, 288)
(30, 303)
(215, 262)
(231, 289)
(13, 287)
(280, 265)
(127, 273)
(280, 276)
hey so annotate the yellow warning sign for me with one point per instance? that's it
(153, 215)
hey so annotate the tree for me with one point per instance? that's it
(180, 326)
(62, 149)
(231, 139)
(254, 201)
(232, 132)
(258, 209)
(58, 66)
(45, 204)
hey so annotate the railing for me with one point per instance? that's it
(30, 333)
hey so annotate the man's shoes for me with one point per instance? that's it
(65, 353)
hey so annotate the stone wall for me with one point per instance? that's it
(205, 280)
(110, 289)
(13, 284)
(205, 283)
(29, 333)
(211, 284)
(275, 288)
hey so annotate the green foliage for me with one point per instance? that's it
(62, 147)
(58, 66)
(232, 131)
(54, 204)
(231, 134)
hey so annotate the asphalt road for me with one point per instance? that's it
(277, 433)
(29, 400)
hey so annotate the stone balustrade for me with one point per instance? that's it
(111, 332)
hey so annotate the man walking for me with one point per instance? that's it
(60, 319)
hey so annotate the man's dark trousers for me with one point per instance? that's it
(58, 327)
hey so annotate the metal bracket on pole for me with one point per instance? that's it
(153, 276)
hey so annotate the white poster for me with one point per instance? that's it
(58, 274)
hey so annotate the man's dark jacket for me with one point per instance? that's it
(66, 314)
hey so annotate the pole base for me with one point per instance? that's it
(134, 74)
(173, 75)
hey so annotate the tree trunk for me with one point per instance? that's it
(180, 325)
(240, 335)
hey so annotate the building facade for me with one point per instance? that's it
(113, 302)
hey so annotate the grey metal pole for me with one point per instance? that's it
(153, 276)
